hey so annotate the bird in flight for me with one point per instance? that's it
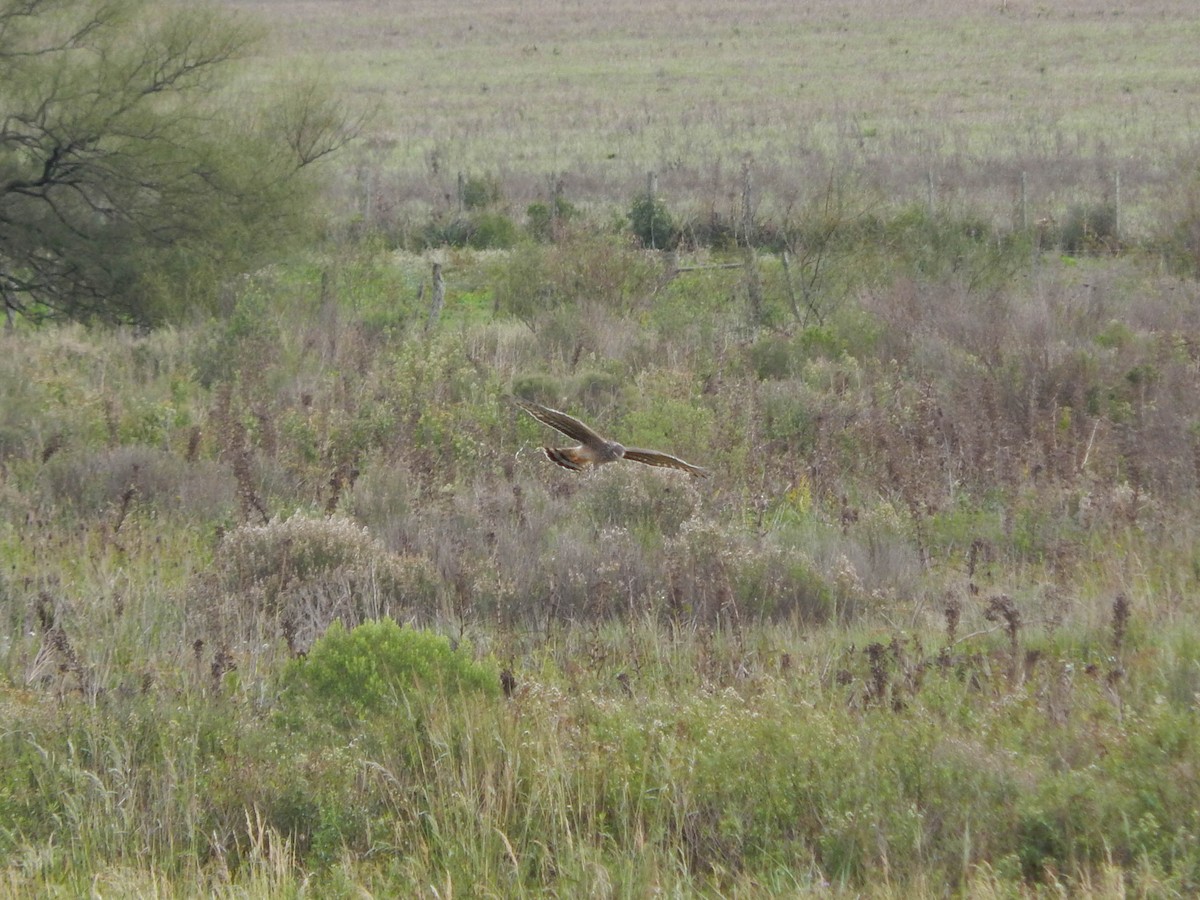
(594, 450)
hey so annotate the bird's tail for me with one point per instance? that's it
(565, 457)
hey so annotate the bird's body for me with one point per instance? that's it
(594, 450)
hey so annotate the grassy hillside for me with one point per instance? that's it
(292, 604)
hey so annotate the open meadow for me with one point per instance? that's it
(292, 604)
(966, 95)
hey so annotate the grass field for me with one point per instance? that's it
(930, 628)
(969, 94)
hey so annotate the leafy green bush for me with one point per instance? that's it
(492, 230)
(541, 217)
(652, 223)
(594, 387)
(481, 191)
(538, 387)
(1090, 229)
(379, 667)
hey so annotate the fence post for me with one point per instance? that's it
(556, 194)
(1024, 200)
(1117, 206)
(651, 194)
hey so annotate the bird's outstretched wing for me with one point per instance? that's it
(666, 460)
(560, 421)
(596, 450)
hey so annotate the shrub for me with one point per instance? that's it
(790, 413)
(594, 387)
(524, 285)
(454, 232)
(1179, 238)
(681, 426)
(541, 218)
(537, 280)
(481, 191)
(773, 357)
(711, 230)
(295, 576)
(537, 387)
(492, 231)
(936, 245)
(590, 574)
(718, 576)
(1090, 229)
(652, 223)
(625, 497)
(379, 667)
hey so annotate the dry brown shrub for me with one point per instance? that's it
(598, 574)
(293, 577)
(721, 577)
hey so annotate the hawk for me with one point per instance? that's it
(594, 450)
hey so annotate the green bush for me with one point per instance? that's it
(541, 217)
(538, 387)
(773, 357)
(481, 191)
(492, 231)
(377, 668)
(594, 387)
(582, 269)
(652, 223)
(1090, 229)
